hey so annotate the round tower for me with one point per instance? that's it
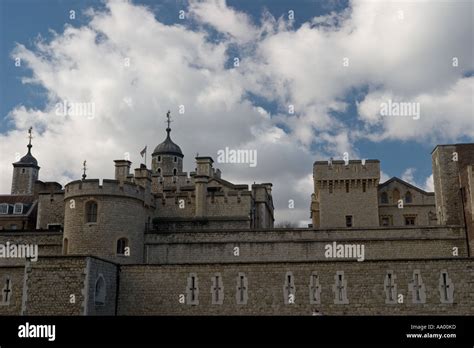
(167, 158)
(25, 172)
(105, 220)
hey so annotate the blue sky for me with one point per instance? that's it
(399, 51)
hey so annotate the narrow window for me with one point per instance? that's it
(314, 289)
(23, 171)
(91, 211)
(192, 290)
(384, 198)
(390, 288)
(347, 187)
(159, 158)
(217, 289)
(159, 170)
(289, 289)
(65, 246)
(175, 171)
(340, 289)
(408, 197)
(417, 288)
(396, 196)
(175, 159)
(348, 220)
(122, 245)
(6, 292)
(330, 187)
(100, 291)
(242, 289)
(364, 186)
(446, 288)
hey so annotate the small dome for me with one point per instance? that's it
(28, 159)
(168, 147)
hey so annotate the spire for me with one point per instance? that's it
(28, 159)
(168, 147)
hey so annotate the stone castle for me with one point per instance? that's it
(162, 241)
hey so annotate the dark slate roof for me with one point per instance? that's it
(168, 147)
(27, 201)
(28, 160)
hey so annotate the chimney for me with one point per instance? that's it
(122, 170)
(203, 172)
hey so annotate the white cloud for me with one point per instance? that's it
(224, 19)
(429, 185)
(409, 176)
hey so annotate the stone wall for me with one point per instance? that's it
(50, 283)
(422, 206)
(15, 275)
(59, 285)
(49, 243)
(301, 244)
(157, 290)
(120, 214)
(346, 190)
(50, 209)
(109, 271)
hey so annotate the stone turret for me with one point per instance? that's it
(25, 172)
(345, 193)
(167, 158)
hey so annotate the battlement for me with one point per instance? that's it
(92, 187)
(339, 170)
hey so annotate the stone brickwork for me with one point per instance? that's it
(50, 283)
(346, 194)
(301, 244)
(59, 286)
(109, 272)
(15, 276)
(156, 290)
(121, 213)
(49, 243)
(467, 188)
(50, 210)
(24, 178)
(415, 203)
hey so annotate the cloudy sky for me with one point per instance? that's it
(297, 81)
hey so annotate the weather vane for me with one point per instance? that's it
(168, 118)
(84, 170)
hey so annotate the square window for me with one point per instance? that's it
(386, 221)
(410, 220)
(18, 208)
(3, 208)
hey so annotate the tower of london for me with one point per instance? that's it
(161, 240)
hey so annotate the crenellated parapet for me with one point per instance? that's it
(92, 187)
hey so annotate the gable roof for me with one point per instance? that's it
(403, 182)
